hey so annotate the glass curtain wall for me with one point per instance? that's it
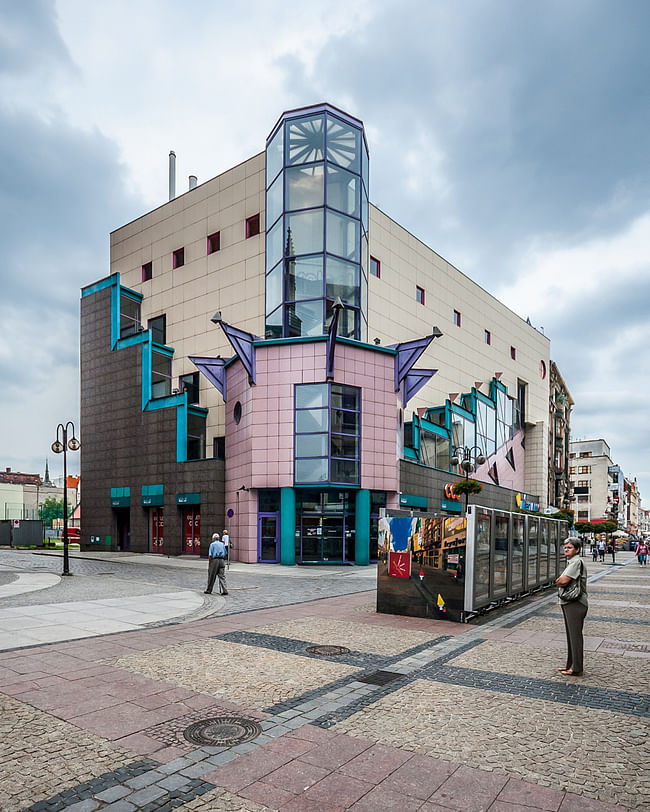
(316, 224)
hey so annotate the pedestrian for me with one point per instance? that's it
(225, 540)
(216, 565)
(611, 548)
(572, 594)
(601, 551)
(641, 552)
(594, 551)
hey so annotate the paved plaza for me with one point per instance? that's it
(106, 676)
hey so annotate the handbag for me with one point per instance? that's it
(571, 592)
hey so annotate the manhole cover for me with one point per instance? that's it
(224, 731)
(379, 677)
(328, 650)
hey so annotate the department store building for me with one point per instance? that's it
(274, 355)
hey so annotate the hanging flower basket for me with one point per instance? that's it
(467, 486)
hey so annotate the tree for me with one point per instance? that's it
(50, 509)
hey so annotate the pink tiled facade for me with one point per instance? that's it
(260, 447)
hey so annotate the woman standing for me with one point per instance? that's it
(574, 609)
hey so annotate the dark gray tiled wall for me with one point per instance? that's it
(122, 446)
(419, 480)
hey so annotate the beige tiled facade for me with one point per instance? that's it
(231, 280)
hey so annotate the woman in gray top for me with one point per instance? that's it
(574, 611)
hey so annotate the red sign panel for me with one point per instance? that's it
(399, 565)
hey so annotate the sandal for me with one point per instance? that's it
(573, 673)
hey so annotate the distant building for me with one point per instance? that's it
(590, 471)
(274, 354)
(559, 429)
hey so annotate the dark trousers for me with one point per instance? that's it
(217, 567)
(574, 619)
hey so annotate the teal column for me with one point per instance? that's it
(287, 526)
(362, 545)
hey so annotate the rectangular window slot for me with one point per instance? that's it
(214, 242)
(252, 226)
(457, 318)
(147, 271)
(178, 258)
(419, 294)
(488, 337)
(375, 267)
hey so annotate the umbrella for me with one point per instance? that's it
(620, 534)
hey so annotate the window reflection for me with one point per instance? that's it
(304, 278)
(305, 140)
(305, 187)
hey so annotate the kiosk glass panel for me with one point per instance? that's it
(482, 557)
(500, 581)
(543, 552)
(518, 544)
(533, 531)
(554, 536)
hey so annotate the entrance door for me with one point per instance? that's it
(157, 530)
(123, 527)
(192, 531)
(268, 538)
(333, 543)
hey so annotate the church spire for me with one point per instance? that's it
(47, 474)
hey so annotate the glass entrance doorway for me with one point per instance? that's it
(325, 527)
(268, 538)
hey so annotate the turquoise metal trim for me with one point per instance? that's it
(107, 282)
(287, 527)
(181, 430)
(115, 313)
(163, 349)
(132, 294)
(165, 403)
(156, 500)
(460, 411)
(198, 411)
(451, 506)
(120, 491)
(415, 433)
(489, 401)
(188, 498)
(146, 371)
(318, 339)
(434, 428)
(410, 500)
(131, 341)
(152, 490)
(409, 454)
(362, 528)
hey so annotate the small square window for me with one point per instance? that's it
(190, 384)
(488, 337)
(214, 242)
(375, 267)
(252, 226)
(419, 294)
(513, 353)
(178, 258)
(457, 318)
(158, 327)
(147, 271)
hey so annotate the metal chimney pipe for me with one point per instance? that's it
(172, 175)
(192, 182)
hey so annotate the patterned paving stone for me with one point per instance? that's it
(520, 737)
(224, 669)
(535, 661)
(345, 633)
(39, 752)
(593, 628)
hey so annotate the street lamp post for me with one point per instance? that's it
(467, 458)
(61, 446)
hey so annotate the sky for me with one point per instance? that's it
(509, 136)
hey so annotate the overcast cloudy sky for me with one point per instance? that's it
(509, 135)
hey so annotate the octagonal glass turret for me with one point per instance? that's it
(316, 224)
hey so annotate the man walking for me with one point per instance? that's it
(216, 565)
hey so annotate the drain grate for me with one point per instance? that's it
(222, 731)
(380, 677)
(328, 650)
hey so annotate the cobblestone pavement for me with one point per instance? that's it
(415, 715)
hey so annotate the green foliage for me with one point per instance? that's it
(50, 509)
(467, 486)
(566, 515)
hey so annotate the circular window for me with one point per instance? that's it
(542, 369)
(236, 412)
